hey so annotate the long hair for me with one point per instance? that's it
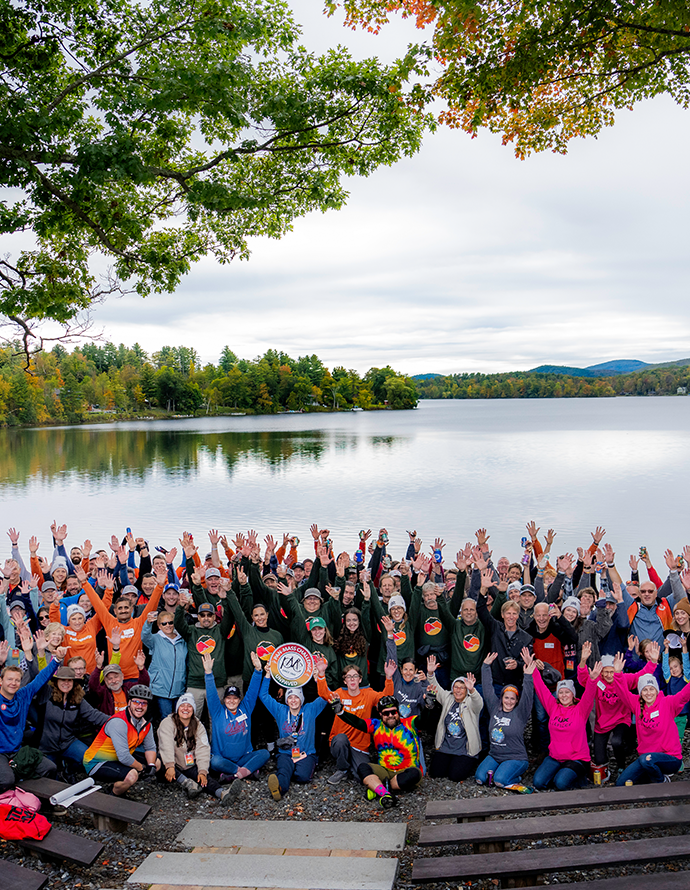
(349, 640)
(185, 734)
(74, 696)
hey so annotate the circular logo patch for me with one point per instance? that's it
(205, 645)
(291, 665)
(471, 642)
(432, 627)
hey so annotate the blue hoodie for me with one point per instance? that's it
(231, 734)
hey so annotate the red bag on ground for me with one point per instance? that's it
(17, 823)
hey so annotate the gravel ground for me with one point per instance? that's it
(123, 853)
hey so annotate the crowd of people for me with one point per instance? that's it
(122, 663)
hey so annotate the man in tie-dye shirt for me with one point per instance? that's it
(399, 766)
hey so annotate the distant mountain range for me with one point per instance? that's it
(603, 369)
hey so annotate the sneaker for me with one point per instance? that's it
(520, 789)
(230, 794)
(667, 778)
(192, 788)
(387, 801)
(337, 777)
(225, 778)
(371, 795)
(274, 786)
(243, 772)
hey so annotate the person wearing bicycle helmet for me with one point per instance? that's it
(113, 755)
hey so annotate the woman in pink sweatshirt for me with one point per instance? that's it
(567, 763)
(613, 721)
(658, 742)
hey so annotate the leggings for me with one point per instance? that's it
(455, 767)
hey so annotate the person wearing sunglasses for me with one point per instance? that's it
(399, 765)
(168, 668)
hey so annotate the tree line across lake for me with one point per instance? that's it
(122, 382)
(663, 381)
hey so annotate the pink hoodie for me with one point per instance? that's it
(657, 732)
(567, 725)
(612, 710)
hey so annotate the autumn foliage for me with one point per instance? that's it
(541, 72)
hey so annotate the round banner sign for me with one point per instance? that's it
(291, 665)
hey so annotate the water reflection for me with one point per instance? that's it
(131, 455)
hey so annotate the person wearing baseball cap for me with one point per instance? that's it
(207, 636)
(232, 755)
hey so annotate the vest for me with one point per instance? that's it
(102, 747)
(663, 612)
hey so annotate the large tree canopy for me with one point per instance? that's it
(543, 71)
(154, 133)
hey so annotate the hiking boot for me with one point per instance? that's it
(230, 794)
(337, 777)
(192, 788)
(274, 786)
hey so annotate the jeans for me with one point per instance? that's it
(346, 757)
(650, 768)
(166, 706)
(540, 727)
(252, 761)
(508, 772)
(621, 738)
(288, 771)
(564, 775)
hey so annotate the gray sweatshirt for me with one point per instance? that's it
(507, 728)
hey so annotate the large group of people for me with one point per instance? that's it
(131, 664)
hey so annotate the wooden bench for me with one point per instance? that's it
(494, 836)
(656, 880)
(64, 845)
(109, 813)
(14, 877)
(529, 863)
(475, 809)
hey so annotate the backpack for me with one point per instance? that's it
(17, 797)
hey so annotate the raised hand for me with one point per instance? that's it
(460, 562)
(595, 671)
(550, 535)
(481, 536)
(653, 652)
(633, 562)
(586, 650)
(60, 653)
(470, 682)
(270, 543)
(487, 579)
(241, 577)
(214, 537)
(40, 640)
(13, 535)
(618, 662)
(633, 643)
(256, 661)
(431, 664)
(115, 637)
(598, 534)
(140, 659)
(670, 561)
(314, 529)
(492, 656)
(207, 663)
(389, 668)
(387, 623)
(532, 530)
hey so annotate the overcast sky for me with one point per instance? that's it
(461, 258)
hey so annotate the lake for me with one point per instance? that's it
(444, 469)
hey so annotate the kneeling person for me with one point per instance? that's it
(113, 756)
(397, 747)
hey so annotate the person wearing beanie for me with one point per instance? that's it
(296, 758)
(508, 716)
(186, 754)
(568, 760)
(612, 716)
(658, 742)
(592, 630)
(80, 633)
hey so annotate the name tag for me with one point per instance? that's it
(126, 634)
(602, 686)
(241, 718)
(549, 646)
(188, 759)
(347, 701)
(653, 715)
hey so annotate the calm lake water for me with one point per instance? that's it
(445, 469)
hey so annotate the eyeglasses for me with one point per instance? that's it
(138, 701)
(389, 712)
(166, 623)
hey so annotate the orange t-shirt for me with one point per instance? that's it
(130, 639)
(361, 705)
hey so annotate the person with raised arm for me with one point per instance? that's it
(457, 742)
(568, 761)
(508, 716)
(658, 742)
